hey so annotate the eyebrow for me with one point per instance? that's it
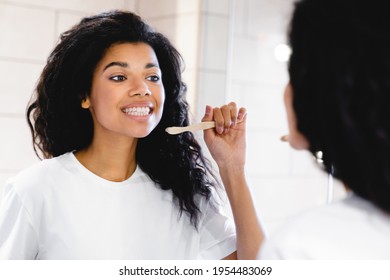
(116, 63)
(126, 65)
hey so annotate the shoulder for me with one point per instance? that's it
(331, 232)
(37, 177)
(317, 219)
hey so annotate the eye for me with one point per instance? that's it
(153, 78)
(118, 78)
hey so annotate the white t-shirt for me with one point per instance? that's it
(352, 228)
(58, 209)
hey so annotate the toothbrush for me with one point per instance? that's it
(173, 130)
(192, 128)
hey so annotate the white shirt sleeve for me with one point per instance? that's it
(218, 235)
(18, 238)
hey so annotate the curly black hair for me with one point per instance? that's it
(340, 76)
(59, 125)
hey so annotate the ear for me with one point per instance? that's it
(296, 139)
(85, 103)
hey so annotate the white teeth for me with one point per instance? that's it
(137, 111)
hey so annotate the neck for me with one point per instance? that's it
(112, 160)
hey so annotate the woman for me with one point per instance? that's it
(337, 103)
(114, 184)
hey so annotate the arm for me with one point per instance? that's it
(227, 146)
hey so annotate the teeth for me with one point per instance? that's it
(137, 111)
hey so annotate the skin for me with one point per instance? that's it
(296, 139)
(129, 76)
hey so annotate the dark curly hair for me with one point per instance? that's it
(340, 76)
(59, 125)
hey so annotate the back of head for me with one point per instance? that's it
(340, 75)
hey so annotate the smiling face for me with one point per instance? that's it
(127, 94)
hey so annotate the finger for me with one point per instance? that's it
(208, 115)
(227, 117)
(242, 114)
(219, 120)
(233, 113)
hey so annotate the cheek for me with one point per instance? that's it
(103, 107)
(289, 110)
(295, 138)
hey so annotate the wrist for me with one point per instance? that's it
(233, 177)
(231, 169)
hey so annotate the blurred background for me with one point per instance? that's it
(234, 50)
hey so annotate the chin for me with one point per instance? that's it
(143, 130)
(141, 134)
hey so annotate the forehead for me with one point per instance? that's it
(129, 52)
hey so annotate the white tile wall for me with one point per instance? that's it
(17, 80)
(218, 7)
(158, 8)
(166, 25)
(213, 54)
(236, 92)
(264, 103)
(26, 33)
(89, 6)
(267, 156)
(254, 60)
(215, 42)
(239, 15)
(132, 5)
(16, 150)
(268, 16)
(212, 88)
(65, 20)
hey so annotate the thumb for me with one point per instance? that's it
(208, 115)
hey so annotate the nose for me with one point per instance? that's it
(145, 92)
(139, 88)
